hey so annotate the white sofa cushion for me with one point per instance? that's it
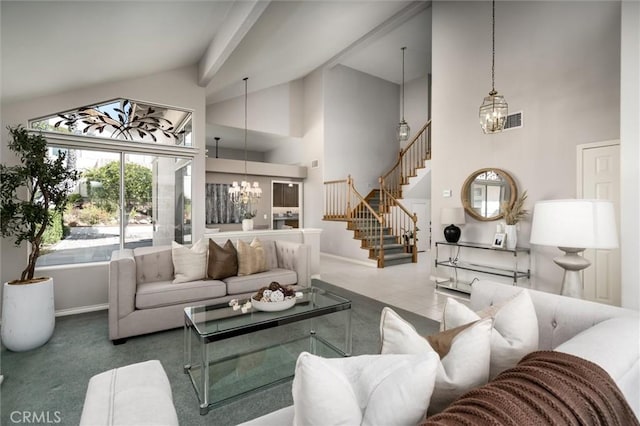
(607, 344)
(514, 333)
(363, 390)
(165, 293)
(153, 263)
(559, 317)
(254, 282)
(136, 394)
(189, 264)
(464, 367)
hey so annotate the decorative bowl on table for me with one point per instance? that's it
(273, 306)
(274, 298)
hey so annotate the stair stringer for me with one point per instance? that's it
(420, 184)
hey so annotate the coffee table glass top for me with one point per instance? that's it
(217, 322)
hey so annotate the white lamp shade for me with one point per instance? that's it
(574, 223)
(452, 216)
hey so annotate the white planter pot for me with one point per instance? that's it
(28, 315)
(247, 224)
(512, 236)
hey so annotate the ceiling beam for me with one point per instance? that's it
(411, 10)
(241, 17)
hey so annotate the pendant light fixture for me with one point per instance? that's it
(494, 109)
(403, 128)
(245, 193)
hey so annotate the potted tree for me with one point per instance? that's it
(31, 194)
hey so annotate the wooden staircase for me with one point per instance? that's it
(393, 251)
(379, 220)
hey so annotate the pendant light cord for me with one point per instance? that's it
(245, 129)
(403, 49)
(493, 46)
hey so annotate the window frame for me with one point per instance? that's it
(121, 147)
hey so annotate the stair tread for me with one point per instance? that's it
(387, 246)
(397, 256)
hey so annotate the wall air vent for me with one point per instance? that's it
(514, 121)
(315, 164)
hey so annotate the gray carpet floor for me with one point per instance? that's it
(53, 379)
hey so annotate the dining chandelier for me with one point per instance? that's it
(245, 193)
(494, 108)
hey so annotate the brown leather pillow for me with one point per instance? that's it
(223, 261)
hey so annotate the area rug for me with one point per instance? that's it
(53, 379)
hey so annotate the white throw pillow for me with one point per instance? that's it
(189, 264)
(515, 328)
(362, 390)
(463, 368)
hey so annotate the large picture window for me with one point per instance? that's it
(125, 198)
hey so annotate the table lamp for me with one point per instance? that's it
(574, 225)
(454, 216)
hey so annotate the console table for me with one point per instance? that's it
(455, 261)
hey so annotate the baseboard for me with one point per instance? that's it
(370, 264)
(82, 310)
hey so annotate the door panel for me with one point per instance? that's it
(600, 179)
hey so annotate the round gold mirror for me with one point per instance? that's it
(485, 190)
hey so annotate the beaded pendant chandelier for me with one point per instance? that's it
(245, 193)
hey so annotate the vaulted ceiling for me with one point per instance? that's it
(55, 46)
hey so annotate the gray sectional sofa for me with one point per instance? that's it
(143, 299)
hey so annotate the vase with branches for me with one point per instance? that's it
(516, 212)
(512, 215)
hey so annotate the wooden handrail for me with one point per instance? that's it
(415, 138)
(406, 149)
(344, 202)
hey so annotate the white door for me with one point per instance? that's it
(599, 178)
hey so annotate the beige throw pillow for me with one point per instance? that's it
(251, 258)
(189, 264)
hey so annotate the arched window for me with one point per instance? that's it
(135, 162)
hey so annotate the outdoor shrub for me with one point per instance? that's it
(54, 232)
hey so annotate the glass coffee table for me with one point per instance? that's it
(229, 354)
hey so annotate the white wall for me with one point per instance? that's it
(360, 121)
(416, 106)
(559, 63)
(276, 110)
(288, 152)
(174, 88)
(630, 153)
(313, 148)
